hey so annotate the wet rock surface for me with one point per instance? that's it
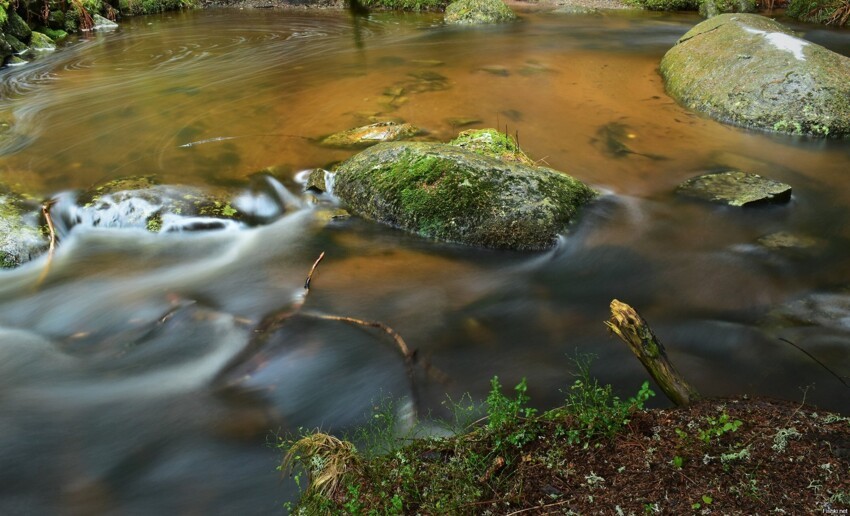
(21, 237)
(453, 194)
(735, 188)
(750, 71)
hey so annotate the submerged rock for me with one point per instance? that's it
(462, 12)
(21, 238)
(140, 202)
(493, 143)
(750, 71)
(785, 241)
(735, 188)
(458, 195)
(370, 135)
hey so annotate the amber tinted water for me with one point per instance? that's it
(106, 410)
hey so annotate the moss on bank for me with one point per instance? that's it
(139, 7)
(595, 454)
(830, 12)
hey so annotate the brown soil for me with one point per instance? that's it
(636, 473)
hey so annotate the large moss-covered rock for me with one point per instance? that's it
(141, 202)
(450, 193)
(735, 188)
(21, 239)
(709, 8)
(41, 42)
(478, 12)
(750, 71)
(17, 27)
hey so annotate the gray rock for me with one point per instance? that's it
(750, 71)
(735, 188)
(317, 180)
(140, 202)
(102, 24)
(370, 135)
(21, 239)
(467, 12)
(453, 194)
(18, 46)
(784, 241)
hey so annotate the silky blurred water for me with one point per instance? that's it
(127, 386)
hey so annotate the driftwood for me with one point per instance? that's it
(630, 327)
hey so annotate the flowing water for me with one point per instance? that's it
(126, 383)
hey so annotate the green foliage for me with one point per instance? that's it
(717, 427)
(138, 7)
(406, 5)
(593, 410)
(831, 12)
(665, 5)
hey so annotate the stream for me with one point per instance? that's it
(127, 385)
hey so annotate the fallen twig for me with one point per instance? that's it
(51, 250)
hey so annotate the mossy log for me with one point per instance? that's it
(630, 327)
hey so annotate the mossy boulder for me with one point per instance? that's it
(709, 8)
(21, 238)
(41, 42)
(370, 135)
(735, 188)
(493, 143)
(467, 12)
(141, 202)
(750, 71)
(450, 193)
(102, 24)
(17, 27)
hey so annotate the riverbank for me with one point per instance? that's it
(598, 455)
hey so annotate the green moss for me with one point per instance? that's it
(406, 5)
(478, 12)
(55, 35)
(154, 224)
(139, 7)
(493, 143)
(665, 5)
(453, 194)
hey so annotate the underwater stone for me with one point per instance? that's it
(735, 188)
(370, 135)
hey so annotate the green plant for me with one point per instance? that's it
(502, 410)
(593, 410)
(678, 462)
(406, 5)
(830, 12)
(717, 427)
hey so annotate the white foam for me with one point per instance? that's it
(784, 42)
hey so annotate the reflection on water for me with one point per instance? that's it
(111, 385)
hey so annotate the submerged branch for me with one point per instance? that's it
(630, 327)
(51, 250)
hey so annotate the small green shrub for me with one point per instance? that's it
(406, 5)
(665, 5)
(830, 12)
(593, 410)
(717, 427)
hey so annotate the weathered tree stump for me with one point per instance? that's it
(630, 327)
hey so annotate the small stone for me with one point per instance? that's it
(316, 181)
(463, 121)
(498, 70)
(370, 135)
(468, 12)
(735, 188)
(428, 62)
(783, 240)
